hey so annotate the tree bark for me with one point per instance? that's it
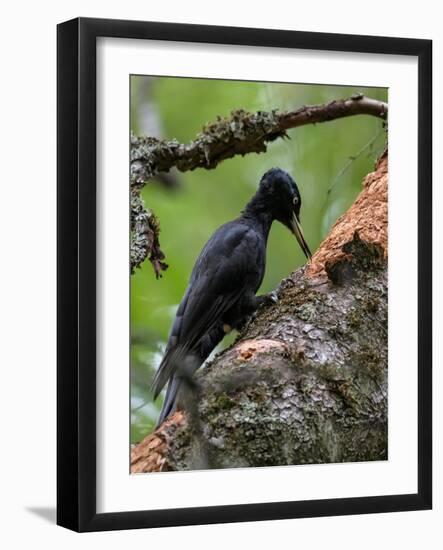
(240, 134)
(306, 381)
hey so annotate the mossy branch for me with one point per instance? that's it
(240, 134)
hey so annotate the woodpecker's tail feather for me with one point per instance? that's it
(170, 363)
(178, 367)
(170, 402)
(183, 367)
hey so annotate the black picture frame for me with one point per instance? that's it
(76, 280)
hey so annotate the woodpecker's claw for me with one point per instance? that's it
(269, 299)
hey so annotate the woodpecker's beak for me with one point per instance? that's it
(297, 230)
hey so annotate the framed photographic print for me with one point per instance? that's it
(244, 274)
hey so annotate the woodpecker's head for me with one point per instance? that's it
(281, 195)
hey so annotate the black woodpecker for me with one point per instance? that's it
(221, 291)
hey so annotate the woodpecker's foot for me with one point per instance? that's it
(268, 299)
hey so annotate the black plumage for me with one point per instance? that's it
(227, 274)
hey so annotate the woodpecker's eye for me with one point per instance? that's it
(295, 201)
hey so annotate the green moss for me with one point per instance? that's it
(354, 318)
(371, 304)
(223, 402)
(371, 360)
(306, 312)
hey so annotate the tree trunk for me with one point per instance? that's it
(306, 381)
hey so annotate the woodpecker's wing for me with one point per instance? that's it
(224, 271)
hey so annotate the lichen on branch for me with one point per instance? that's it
(145, 230)
(239, 134)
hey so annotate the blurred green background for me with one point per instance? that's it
(328, 162)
